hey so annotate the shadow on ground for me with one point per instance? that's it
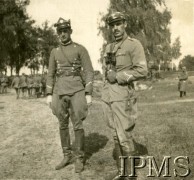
(141, 149)
(93, 143)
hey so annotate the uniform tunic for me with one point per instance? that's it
(30, 82)
(16, 82)
(37, 81)
(23, 81)
(4, 81)
(66, 85)
(182, 86)
(120, 108)
(68, 89)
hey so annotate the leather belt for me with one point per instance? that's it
(67, 73)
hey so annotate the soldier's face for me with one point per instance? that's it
(65, 35)
(118, 28)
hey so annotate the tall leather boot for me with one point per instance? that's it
(65, 143)
(117, 153)
(128, 163)
(79, 152)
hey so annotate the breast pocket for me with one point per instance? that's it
(123, 59)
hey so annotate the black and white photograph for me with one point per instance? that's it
(97, 89)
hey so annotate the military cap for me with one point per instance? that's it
(62, 24)
(114, 17)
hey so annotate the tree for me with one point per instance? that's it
(47, 41)
(16, 34)
(175, 50)
(147, 21)
(188, 62)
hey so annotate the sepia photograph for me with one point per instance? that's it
(96, 90)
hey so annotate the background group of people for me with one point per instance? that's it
(4, 83)
(25, 85)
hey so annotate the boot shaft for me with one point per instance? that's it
(79, 141)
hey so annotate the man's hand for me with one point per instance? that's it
(89, 100)
(111, 76)
(49, 100)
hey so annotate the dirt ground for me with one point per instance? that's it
(30, 145)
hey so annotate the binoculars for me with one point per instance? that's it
(110, 58)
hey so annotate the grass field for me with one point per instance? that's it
(30, 145)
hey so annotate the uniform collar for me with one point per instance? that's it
(66, 44)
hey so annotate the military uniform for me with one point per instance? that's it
(65, 83)
(23, 83)
(16, 85)
(4, 83)
(43, 82)
(37, 84)
(182, 84)
(118, 94)
(30, 83)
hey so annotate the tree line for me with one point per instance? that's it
(148, 21)
(22, 43)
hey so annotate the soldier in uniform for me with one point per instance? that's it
(182, 85)
(23, 84)
(30, 83)
(4, 84)
(66, 92)
(124, 63)
(16, 84)
(43, 82)
(37, 85)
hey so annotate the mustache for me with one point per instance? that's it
(116, 31)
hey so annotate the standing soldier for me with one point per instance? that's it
(124, 62)
(182, 85)
(66, 91)
(37, 85)
(23, 84)
(16, 85)
(30, 85)
(43, 81)
(4, 84)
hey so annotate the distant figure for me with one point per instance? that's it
(182, 85)
(37, 85)
(23, 84)
(4, 84)
(16, 85)
(30, 85)
(43, 81)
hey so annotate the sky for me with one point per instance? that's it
(182, 24)
(85, 16)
